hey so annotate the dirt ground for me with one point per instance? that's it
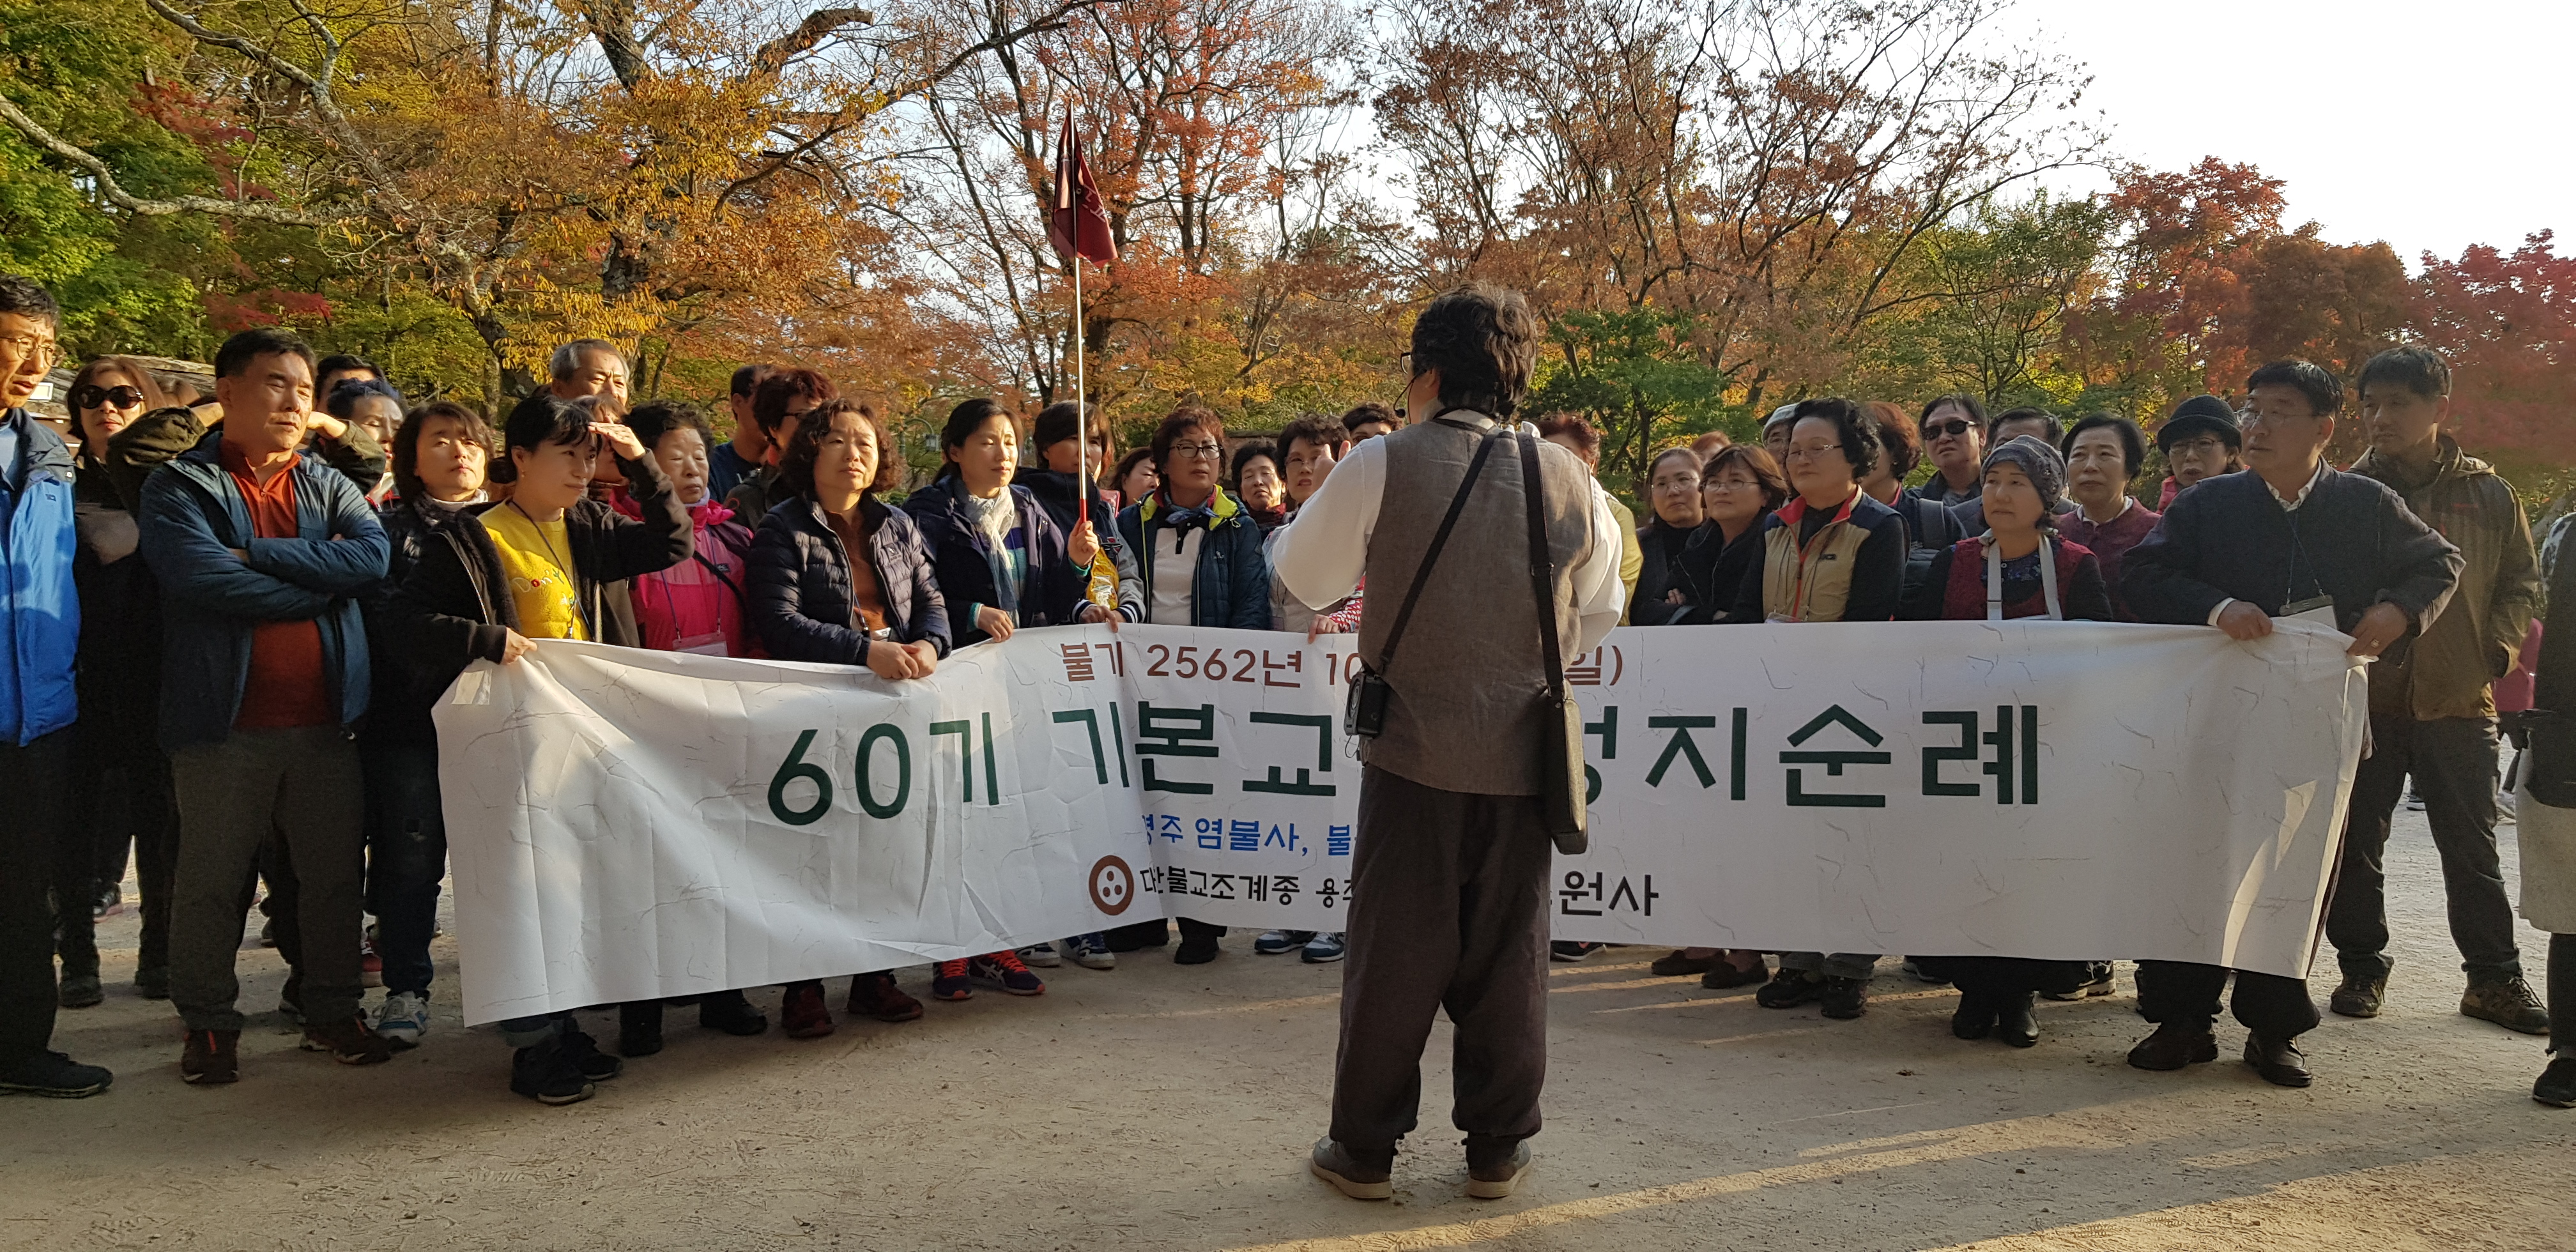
(1166, 1107)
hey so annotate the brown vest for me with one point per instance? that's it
(1464, 712)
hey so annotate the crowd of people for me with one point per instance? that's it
(232, 613)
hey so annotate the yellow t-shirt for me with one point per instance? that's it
(532, 558)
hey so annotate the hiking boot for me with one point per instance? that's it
(876, 995)
(2174, 1045)
(948, 981)
(1496, 1179)
(731, 1012)
(1005, 970)
(544, 1074)
(2557, 1085)
(80, 991)
(2280, 1063)
(1280, 942)
(1789, 988)
(2361, 995)
(801, 1013)
(1325, 948)
(639, 1028)
(1350, 1174)
(2097, 982)
(2509, 1004)
(349, 1041)
(211, 1057)
(1725, 976)
(1844, 998)
(1195, 950)
(54, 1074)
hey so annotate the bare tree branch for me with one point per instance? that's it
(254, 210)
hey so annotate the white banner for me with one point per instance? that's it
(626, 824)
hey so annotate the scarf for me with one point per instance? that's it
(993, 519)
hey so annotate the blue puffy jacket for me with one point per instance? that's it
(1231, 586)
(39, 606)
(210, 599)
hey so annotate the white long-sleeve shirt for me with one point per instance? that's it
(1319, 556)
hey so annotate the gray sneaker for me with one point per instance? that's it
(1324, 949)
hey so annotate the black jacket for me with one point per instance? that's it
(401, 713)
(119, 682)
(2228, 538)
(1659, 574)
(801, 594)
(455, 608)
(959, 554)
(1055, 492)
(1712, 571)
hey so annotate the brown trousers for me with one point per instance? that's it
(1448, 911)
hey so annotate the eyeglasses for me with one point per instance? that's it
(1954, 428)
(91, 396)
(1686, 482)
(43, 351)
(1815, 451)
(1201, 451)
(2206, 445)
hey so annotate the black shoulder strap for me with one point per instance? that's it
(1542, 564)
(1431, 555)
(2554, 685)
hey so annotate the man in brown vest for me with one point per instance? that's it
(1450, 880)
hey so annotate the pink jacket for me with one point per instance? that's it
(697, 605)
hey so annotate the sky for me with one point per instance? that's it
(2432, 125)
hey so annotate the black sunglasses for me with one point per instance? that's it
(91, 395)
(1954, 427)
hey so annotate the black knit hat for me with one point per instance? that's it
(2201, 415)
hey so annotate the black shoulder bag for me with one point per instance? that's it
(1365, 714)
(2549, 764)
(1561, 748)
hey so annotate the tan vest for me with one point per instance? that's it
(1464, 713)
(1811, 584)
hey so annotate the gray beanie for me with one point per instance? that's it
(2038, 462)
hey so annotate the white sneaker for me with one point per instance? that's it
(403, 1018)
(1041, 955)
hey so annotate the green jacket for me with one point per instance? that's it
(2448, 669)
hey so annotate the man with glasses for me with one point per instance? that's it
(2236, 552)
(2201, 440)
(40, 624)
(1954, 437)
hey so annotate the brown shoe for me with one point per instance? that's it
(1680, 963)
(2509, 1004)
(1501, 1178)
(1349, 1175)
(211, 1057)
(349, 1042)
(2174, 1046)
(1724, 976)
(875, 995)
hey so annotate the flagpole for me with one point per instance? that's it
(1081, 398)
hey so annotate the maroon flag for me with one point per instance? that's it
(1076, 225)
